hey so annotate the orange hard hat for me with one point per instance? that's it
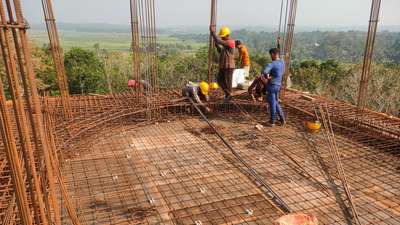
(131, 83)
(313, 126)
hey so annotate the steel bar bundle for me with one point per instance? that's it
(289, 42)
(58, 57)
(211, 47)
(30, 149)
(368, 54)
(16, 76)
(147, 29)
(334, 151)
(135, 43)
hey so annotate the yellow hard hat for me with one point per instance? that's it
(204, 87)
(313, 126)
(225, 31)
(214, 85)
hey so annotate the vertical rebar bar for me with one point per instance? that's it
(368, 55)
(211, 47)
(135, 44)
(30, 166)
(57, 56)
(13, 157)
(36, 122)
(288, 44)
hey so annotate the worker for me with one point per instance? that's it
(197, 92)
(226, 47)
(278, 42)
(244, 57)
(214, 86)
(272, 78)
(257, 90)
(142, 86)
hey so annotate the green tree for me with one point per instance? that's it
(45, 70)
(393, 52)
(85, 71)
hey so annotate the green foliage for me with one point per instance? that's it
(85, 71)
(325, 63)
(45, 70)
(341, 81)
(393, 52)
(344, 47)
(3, 77)
(317, 77)
(175, 69)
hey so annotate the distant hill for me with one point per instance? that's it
(125, 28)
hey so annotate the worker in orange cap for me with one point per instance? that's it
(142, 86)
(226, 47)
(244, 57)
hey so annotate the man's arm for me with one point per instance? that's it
(217, 47)
(253, 85)
(265, 75)
(217, 39)
(196, 97)
(278, 42)
(267, 69)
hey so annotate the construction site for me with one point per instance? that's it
(153, 157)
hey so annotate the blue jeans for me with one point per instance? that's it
(274, 107)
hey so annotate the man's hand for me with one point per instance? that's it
(263, 79)
(253, 98)
(208, 110)
(212, 29)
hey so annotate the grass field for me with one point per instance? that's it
(109, 41)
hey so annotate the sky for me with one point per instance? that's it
(317, 13)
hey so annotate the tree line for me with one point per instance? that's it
(343, 46)
(98, 70)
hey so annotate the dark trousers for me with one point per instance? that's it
(224, 80)
(273, 101)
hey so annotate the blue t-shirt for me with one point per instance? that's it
(276, 69)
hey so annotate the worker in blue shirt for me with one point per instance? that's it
(272, 77)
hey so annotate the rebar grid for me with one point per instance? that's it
(164, 162)
(298, 179)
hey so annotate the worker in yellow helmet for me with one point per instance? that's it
(198, 92)
(214, 86)
(226, 47)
